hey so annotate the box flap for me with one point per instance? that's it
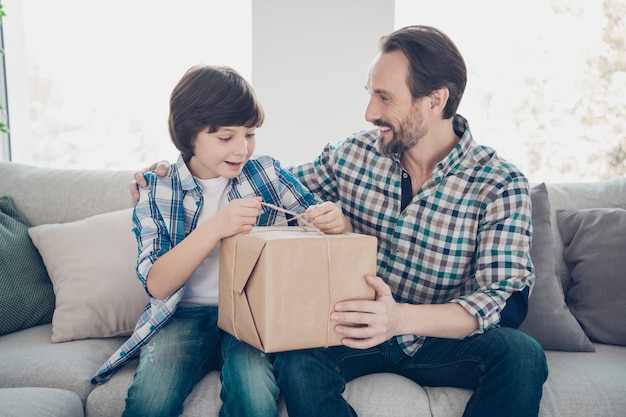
(243, 319)
(245, 259)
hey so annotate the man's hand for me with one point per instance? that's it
(328, 218)
(161, 168)
(366, 323)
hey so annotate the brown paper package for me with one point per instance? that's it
(278, 285)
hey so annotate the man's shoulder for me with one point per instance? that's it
(495, 165)
(363, 137)
(361, 145)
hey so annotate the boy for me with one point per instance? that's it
(214, 190)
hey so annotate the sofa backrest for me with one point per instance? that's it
(572, 196)
(47, 195)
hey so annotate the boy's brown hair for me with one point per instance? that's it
(210, 97)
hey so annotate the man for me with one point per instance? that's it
(453, 221)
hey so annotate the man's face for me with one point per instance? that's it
(391, 107)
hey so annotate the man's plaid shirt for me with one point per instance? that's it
(464, 238)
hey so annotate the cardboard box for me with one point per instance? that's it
(278, 285)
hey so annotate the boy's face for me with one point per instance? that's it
(222, 153)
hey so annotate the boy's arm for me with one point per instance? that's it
(166, 261)
(172, 270)
(329, 218)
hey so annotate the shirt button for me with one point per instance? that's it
(405, 175)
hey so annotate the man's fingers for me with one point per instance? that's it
(161, 168)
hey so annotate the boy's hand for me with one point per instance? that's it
(328, 218)
(238, 216)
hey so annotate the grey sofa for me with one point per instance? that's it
(39, 377)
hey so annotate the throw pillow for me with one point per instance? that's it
(594, 242)
(91, 263)
(26, 295)
(549, 320)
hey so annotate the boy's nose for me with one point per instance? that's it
(241, 146)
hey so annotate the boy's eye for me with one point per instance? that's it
(250, 135)
(225, 139)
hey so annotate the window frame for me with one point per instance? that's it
(5, 136)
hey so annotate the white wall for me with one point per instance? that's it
(305, 55)
(308, 61)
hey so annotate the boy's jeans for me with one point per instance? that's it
(171, 363)
(249, 387)
(504, 367)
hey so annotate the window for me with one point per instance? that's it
(89, 88)
(89, 82)
(546, 82)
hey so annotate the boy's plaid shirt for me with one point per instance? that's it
(168, 211)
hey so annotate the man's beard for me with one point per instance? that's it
(403, 138)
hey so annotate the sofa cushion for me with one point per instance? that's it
(91, 263)
(576, 196)
(40, 402)
(26, 295)
(549, 320)
(29, 359)
(594, 243)
(382, 394)
(50, 195)
(582, 384)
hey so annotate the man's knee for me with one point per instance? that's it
(521, 353)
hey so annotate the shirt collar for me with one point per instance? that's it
(185, 177)
(460, 151)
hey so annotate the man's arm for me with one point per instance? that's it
(383, 318)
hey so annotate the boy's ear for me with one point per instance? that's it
(438, 100)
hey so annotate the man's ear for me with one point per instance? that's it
(438, 100)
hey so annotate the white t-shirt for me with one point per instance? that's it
(202, 288)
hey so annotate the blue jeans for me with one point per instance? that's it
(171, 363)
(504, 367)
(249, 387)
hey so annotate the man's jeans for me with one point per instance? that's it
(171, 363)
(504, 367)
(249, 387)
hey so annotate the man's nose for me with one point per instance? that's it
(371, 111)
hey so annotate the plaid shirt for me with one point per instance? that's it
(464, 237)
(177, 199)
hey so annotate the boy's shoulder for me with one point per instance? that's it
(261, 162)
(259, 157)
(177, 176)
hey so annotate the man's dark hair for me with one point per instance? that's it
(434, 62)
